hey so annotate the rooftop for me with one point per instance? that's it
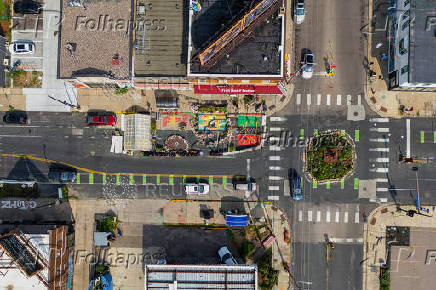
(208, 276)
(257, 54)
(423, 42)
(161, 40)
(412, 266)
(96, 41)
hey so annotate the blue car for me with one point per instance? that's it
(296, 188)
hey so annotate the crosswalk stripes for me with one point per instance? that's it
(379, 149)
(274, 158)
(309, 99)
(328, 100)
(383, 140)
(348, 100)
(338, 100)
(379, 120)
(359, 100)
(298, 99)
(275, 129)
(273, 188)
(381, 130)
(318, 101)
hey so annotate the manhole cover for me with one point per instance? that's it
(355, 114)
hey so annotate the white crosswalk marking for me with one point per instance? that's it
(382, 189)
(338, 100)
(275, 129)
(379, 149)
(274, 158)
(318, 216)
(381, 130)
(359, 100)
(277, 119)
(273, 187)
(337, 217)
(381, 180)
(384, 140)
(356, 217)
(348, 100)
(309, 215)
(273, 139)
(318, 99)
(327, 216)
(275, 168)
(328, 100)
(379, 120)
(300, 215)
(273, 197)
(275, 148)
(309, 99)
(382, 170)
(385, 160)
(298, 99)
(346, 217)
(275, 177)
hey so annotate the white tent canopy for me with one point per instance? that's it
(137, 132)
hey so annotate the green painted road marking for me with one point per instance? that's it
(356, 183)
(78, 178)
(342, 184)
(224, 180)
(104, 178)
(91, 178)
(301, 134)
(434, 137)
(157, 179)
(131, 179)
(171, 180)
(328, 184)
(422, 136)
(356, 135)
(315, 132)
(314, 184)
(118, 179)
(301, 182)
(343, 132)
(184, 179)
(144, 179)
(210, 180)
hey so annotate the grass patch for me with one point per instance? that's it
(26, 79)
(18, 190)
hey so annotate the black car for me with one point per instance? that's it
(15, 118)
(62, 175)
(27, 7)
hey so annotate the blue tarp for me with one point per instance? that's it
(106, 282)
(236, 220)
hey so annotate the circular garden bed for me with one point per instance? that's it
(329, 156)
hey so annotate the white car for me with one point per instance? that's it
(194, 188)
(299, 12)
(226, 257)
(22, 47)
(307, 66)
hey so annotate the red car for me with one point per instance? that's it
(101, 120)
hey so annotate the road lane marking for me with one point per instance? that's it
(379, 149)
(348, 100)
(383, 140)
(274, 158)
(356, 135)
(273, 188)
(328, 100)
(422, 136)
(298, 99)
(327, 216)
(356, 217)
(337, 217)
(356, 183)
(379, 120)
(273, 197)
(318, 99)
(408, 138)
(309, 215)
(275, 168)
(318, 216)
(381, 130)
(20, 136)
(275, 178)
(346, 217)
(248, 167)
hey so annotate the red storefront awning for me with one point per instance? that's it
(236, 90)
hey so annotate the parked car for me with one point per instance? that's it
(194, 188)
(27, 7)
(226, 257)
(15, 118)
(22, 47)
(296, 188)
(299, 12)
(62, 175)
(108, 119)
(307, 65)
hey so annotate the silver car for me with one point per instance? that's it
(299, 12)
(22, 47)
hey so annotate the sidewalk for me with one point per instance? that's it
(12, 99)
(384, 102)
(185, 212)
(374, 250)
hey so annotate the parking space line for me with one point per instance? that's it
(356, 183)
(104, 178)
(78, 178)
(309, 215)
(131, 179)
(118, 179)
(144, 179)
(356, 135)
(318, 216)
(91, 178)
(300, 215)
